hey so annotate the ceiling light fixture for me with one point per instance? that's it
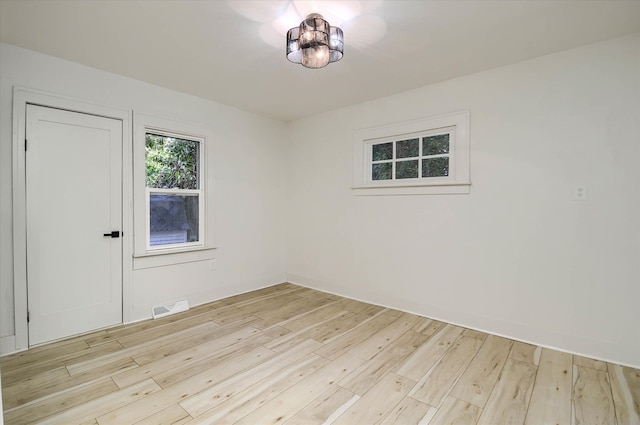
(315, 43)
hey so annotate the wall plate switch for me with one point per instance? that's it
(580, 192)
(212, 264)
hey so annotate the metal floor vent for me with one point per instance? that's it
(166, 309)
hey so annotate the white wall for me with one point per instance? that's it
(517, 256)
(249, 199)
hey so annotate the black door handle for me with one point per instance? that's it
(114, 234)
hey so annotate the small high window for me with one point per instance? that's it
(430, 155)
(426, 156)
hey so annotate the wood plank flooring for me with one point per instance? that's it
(292, 355)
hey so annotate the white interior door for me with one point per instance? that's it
(74, 202)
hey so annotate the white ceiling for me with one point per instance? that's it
(212, 50)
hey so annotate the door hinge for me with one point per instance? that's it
(25, 145)
(28, 317)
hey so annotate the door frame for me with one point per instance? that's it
(21, 97)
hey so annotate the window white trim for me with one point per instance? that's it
(456, 124)
(144, 124)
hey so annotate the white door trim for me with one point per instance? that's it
(21, 97)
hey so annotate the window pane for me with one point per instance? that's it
(382, 151)
(435, 167)
(407, 148)
(407, 169)
(435, 145)
(381, 171)
(174, 219)
(171, 162)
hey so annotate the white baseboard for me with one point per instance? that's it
(1, 408)
(7, 344)
(495, 327)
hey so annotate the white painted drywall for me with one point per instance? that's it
(518, 256)
(249, 194)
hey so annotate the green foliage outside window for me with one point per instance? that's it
(171, 162)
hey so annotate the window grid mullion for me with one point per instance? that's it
(440, 155)
(393, 166)
(420, 157)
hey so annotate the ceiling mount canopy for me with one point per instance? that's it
(315, 43)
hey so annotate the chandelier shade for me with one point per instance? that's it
(314, 44)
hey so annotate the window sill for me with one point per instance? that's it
(412, 189)
(159, 258)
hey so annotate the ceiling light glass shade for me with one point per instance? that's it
(314, 44)
(336, 44)
(294, 54)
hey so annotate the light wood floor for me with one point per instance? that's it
(291, 355)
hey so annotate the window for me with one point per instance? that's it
(418, 157)
(173, 190)
(173, 168)
(425, 156)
